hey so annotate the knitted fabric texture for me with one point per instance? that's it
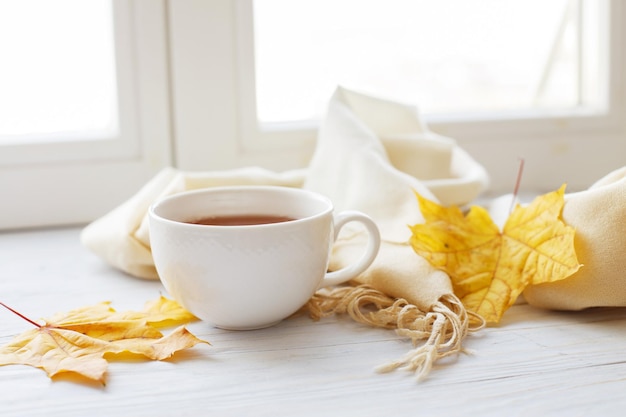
(599, 216)
(371, 156)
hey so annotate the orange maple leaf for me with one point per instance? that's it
(78, 340)
(490, 268)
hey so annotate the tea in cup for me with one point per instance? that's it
(247, 257)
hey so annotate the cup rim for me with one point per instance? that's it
(153, 208)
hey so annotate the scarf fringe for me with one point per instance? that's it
(444, 327)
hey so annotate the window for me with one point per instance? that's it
(452, 56)
(55, 82)
(196, 82)
(576, 139)
(85, 118)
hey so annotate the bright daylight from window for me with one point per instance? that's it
(57, 72)
(448, 56)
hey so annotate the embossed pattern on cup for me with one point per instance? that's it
(246, 277)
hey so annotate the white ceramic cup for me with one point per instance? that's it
(250, 276)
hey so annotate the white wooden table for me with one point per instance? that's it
(536, 363)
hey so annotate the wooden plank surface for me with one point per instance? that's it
(535, 363)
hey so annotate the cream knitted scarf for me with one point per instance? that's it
(371, 156)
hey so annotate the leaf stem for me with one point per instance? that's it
(518, 181)
(34, 323)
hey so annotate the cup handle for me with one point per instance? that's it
(373, 244)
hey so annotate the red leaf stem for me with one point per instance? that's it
(518, 181)
(34, 323)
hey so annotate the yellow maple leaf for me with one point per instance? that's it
(77, 341)
(490, 268)
(165, 312)
(101, 321)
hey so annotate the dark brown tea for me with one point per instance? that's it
(242, 220)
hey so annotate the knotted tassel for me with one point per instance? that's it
(443, 328)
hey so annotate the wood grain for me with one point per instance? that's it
(535, 363)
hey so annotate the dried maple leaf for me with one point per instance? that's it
(78, 340)
(490, 268)
(166, 312)
(103, 322)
